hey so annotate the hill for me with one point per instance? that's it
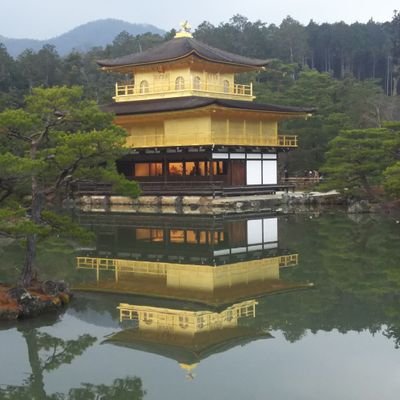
(82, 38)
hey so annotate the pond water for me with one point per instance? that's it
(298, 307)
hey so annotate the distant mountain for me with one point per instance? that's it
(82, 38)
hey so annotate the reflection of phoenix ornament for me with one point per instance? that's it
(190, 375)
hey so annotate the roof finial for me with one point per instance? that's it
(185, 30)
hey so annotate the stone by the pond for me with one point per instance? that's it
(42, 297)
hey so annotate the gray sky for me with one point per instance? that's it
(43, 19)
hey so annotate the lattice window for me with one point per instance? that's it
(179, 83)
(197, 83)
(144, 86)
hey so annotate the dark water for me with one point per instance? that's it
(203, 308)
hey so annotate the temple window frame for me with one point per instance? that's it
(180, 83)
(144, 86)
(196, 82)
(226, 86)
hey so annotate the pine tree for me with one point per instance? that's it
(45, 147)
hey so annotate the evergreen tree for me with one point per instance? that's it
(357, 158)
(55, 140)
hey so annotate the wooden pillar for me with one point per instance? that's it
(165, 167)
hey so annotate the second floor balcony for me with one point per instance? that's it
(126, 91)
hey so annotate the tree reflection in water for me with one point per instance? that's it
(47, 353)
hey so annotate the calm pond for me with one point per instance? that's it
(298, 307)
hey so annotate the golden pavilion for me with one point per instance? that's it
(192, 129)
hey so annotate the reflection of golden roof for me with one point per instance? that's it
(187, 349)
(185, 335)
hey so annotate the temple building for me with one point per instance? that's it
(192, 129)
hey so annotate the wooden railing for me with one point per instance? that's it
(177, 188)
(128, 89)
(302, 182)
(183, 188)
(92, 188)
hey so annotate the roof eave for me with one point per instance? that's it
(259, 66)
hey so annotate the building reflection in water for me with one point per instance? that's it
(206, 274)
(186, 335)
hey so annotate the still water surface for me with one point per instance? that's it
(204, 308)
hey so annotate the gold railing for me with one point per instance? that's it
(290, 260)
(111, 264)
(124, 90)
(287, 140)
(128, 89)
(104, 264)
(149, 267)
(185, 318)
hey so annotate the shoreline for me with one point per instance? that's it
(281, 202)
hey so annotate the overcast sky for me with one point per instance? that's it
(43, 19)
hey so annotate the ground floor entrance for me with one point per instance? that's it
(214, 170)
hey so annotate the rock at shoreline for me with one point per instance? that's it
(18, 302)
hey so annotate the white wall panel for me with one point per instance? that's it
(270, 172)
(217, 156)
(256, 156)
(253, 173)
(254, 231)
(238, 156)
(270, 230)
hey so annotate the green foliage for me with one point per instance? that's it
(16, 223)
(57, 352)
(357, 158)
(120, 389)
(46, 353)
(55, 140)
(392, 180)
(62, 226)
(340, 105)
(353, 264)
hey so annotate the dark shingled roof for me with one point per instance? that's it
(181, 48)
(192, 102)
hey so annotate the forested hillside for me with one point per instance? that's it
(349, 72)
(82, 38)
